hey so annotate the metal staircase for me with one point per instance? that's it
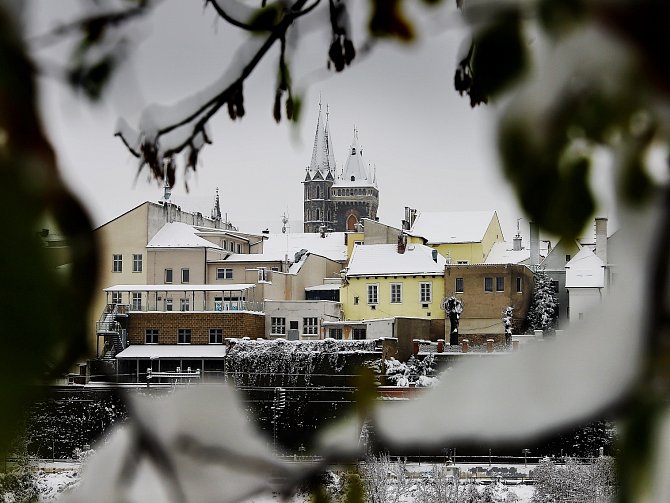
(111, 329)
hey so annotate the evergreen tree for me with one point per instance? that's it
(544, 305)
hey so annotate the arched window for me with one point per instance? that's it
(318, 214)
(318, 191)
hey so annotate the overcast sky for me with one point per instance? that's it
(431, 150)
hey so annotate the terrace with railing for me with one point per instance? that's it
(166, 298)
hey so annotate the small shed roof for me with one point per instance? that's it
(327, 286)
(331, 246)
(179, 235)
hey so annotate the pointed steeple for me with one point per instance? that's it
(216, 210)
(355, 170)
(323, 159)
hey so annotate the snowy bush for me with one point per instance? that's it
(588, 483)
(413, 372)
(544, 305)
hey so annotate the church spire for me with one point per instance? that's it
(323, 159)
(216, 210)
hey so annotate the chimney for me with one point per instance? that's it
(516, 243)
(402, 243)
(534, 245)
(601, 239)
(410, 216)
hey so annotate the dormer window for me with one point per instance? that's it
(353, 150)
(353, 178)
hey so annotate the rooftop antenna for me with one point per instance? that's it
(284, 221)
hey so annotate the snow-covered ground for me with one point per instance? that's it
(54, 478)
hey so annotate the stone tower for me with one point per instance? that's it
(335, 202)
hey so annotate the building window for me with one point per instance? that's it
(151, 336)
(278, 326)
(310, 326)
(581, 316)
(356, 301)
(396, 293)
(274, 269)
(488, 284)
(554, 285)
(358, 243)
(185, 304)
(224, 273)
(185, 275)
(184, 336)
(168, 304)
(216, 335)
(426, 293)
(137, 301)
(567, 258)
(239, 248)
(117, 263)
(116, 297)
(263, 275)
(373, 294)
(137, 263)
(168, 276)
(519, 284)
(500, 284)
(335, 333)
(462, 262)
(359, 334)
(460, 285)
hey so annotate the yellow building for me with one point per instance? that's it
(390, 280)
(463, 237)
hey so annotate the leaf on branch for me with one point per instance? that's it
(341, 52)
(267, 18)
(551, 181)
(388, 21)
(496, 59)
(557, 16)
(92, 79)
(276, 109)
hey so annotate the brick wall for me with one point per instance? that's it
(234, 324)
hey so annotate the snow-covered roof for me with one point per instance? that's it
(185, 351)
(327, 286)
(331, 246)
(252, 257)
(216, 287)
(503, 253)
(438, 227)
(355, 172)
(179, 235)
(384, 260)
(585, 270)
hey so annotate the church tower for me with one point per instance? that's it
(332, 201)
(318, 209)
(355, 193)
